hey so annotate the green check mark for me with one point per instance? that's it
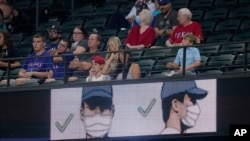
(150, 106)
(60, 127)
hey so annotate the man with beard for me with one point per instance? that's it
(166, 21)
(180, 109)
(97, 110)
(54, 38)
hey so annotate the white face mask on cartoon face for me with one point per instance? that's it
(97, 125)
(192, 116)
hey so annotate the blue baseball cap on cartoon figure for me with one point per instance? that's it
(163, 1)
(171, 88)
(102, 91)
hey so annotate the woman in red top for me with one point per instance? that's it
(186, 26)
(142, 35)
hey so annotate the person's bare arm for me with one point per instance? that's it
(40, 74)
(162, 32)
(80, 65)
(135, 46)
(106, 67)
(50, 74)
(172, 65)
(196, 64)
(136, 71)
(80, 50)
(12, 65)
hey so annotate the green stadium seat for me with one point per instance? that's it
(208, 50)
(219, 38)
(218, 64)
(201, 3)
(230, 25)
(155, 53)
(71, 24)
(241, 36)
(240, 12)
(216, 13)
(177, 4)
(82, 12)
(106, 10)
(233, 48)
(98, 23)
(225, 2)
(146, 66)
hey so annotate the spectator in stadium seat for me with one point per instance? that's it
(59, 62)
(111, 63)
(132, 69)
(166, 21)
(80, 44)
(142, 35)
(120, 21)
(82, 64)
(7, 50)
(54, 38)
(97, 110)
(186, 26)
(96, 72)
(7, 13)
(193, 58)
(180, 108)
(157, 10)
(37, 66)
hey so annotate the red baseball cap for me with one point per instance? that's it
(99, 60)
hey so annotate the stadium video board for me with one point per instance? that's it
(133, 109)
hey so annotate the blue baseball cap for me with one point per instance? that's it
(102, 91)
(163, 1)
(171, 88)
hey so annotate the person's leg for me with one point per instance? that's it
(72, 78)
(4, 82)
(118, 21)
(22, 81)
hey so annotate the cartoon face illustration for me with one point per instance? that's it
(97, 110)
(179, 106)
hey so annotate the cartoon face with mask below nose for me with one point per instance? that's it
(179, 106)
(97, 111)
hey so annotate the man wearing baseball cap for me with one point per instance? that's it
(96, 72)
(97, 110)
(180, 109)
(54, 37)
(166, 21)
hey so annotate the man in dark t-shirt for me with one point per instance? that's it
(166, 21)
(82, 63)
(54, 38)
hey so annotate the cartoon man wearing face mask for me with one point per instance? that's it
(179, 106)
(97, 110)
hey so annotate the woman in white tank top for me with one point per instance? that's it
(131, 70)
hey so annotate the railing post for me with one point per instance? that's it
(124, 65)
(8, 74)
(245, 58)
(184, 61)
(65, 69)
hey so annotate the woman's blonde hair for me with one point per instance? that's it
(116, 42)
